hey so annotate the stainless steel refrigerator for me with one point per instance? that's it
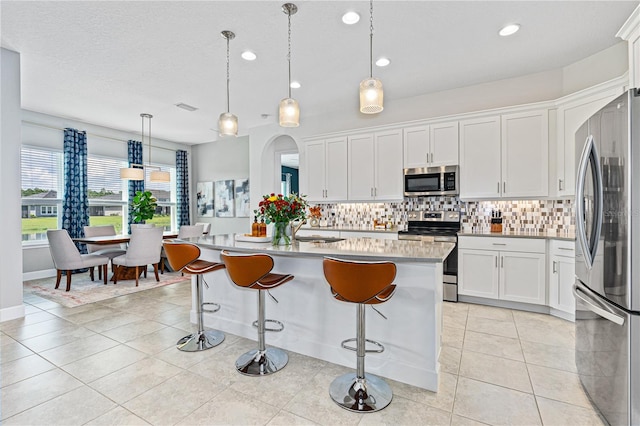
(607, 284)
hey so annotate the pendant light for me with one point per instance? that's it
(228, 123)
(289, 110)
(371, 94)
(156, 175)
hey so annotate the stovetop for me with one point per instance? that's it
(433, 223)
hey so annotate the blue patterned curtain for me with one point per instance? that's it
(182, 187)
(75, 205)
(134, 154)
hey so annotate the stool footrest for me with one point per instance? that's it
(277, 330)
(216, 307)
(379, 350)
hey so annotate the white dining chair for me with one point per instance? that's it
(67, 257)
(206, 226)
(144, 249)
(109, 250)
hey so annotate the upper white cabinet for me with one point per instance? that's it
(505, 156)
(326, 169)
(375, 166)
(431, 145)
(480, 175)
(572, 112)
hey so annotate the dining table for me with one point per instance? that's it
(123, 272)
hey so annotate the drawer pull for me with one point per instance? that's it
(499, 244)
(565, 248)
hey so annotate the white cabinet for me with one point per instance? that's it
(505, 156)
(326, 169)
(431, 145)
(375, 166)
(571, 114)
(561, 276)
(511, 269)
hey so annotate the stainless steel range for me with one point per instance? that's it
(438, 226)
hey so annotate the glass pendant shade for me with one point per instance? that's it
(132, 173)
(371, 96)
(228, 124)
(289, 113)
(159, 176)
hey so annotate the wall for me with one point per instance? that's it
(544, 86)
(11, 306)
(43, 130)
(227, 158)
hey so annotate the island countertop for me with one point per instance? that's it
(349, 248)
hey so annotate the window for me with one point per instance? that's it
(165, 193)
(107, 193)
(41, 188)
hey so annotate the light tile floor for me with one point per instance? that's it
(115, 363)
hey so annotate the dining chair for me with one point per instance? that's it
(109, 250)
(67, 257)
(185, 231)
(144, 249)
(206, 225)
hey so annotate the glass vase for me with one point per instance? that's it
(280, 234)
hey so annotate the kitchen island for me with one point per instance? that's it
(316, 323)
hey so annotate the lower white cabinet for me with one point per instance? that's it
(561, 276)
(500, 268)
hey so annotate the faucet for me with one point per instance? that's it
(296, 228)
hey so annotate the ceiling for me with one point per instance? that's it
(105, 62)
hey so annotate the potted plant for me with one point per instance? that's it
(144, 206)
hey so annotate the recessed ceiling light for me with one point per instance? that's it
(248, 55)
(383, 62)
(509, 29)
(186, 107)
(295, 85)
(350, 18)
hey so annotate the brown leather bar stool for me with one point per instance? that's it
(254, 271)
(185, 257)
(364, 283)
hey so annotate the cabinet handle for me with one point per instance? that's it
(428, 161)
(375, 191)
(432, 157)
(371, 192)
(502, 261)
(496, 261)
(499, 244)
(498, 187)
(560, 184)
(565, 248)
(555, 269)
(504, 187)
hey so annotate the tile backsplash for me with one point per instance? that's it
(520, 216)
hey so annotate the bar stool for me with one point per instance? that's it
(185, 257)
(254, 271)
(364, 283)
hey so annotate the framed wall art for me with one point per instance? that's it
(204, 193)
(224, 198)
(243, 203)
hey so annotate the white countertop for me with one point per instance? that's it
(350, 248)
(518, 234)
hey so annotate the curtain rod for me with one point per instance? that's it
(92, 134)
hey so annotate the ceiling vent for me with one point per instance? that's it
(186, 107)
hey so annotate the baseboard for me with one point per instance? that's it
(564, 315)
(36, 275)
(541, 309)
(11, 313)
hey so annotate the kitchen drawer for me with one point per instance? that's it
(530, 245)
(562, 248)
(373, 234)
(318, 232)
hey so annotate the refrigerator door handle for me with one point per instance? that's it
(589, 154)
(596, 306)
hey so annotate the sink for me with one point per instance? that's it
(318, 239)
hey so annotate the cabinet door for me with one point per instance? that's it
(478, 273)
(416, 147)
(361, 167)
(480, 158)
(522, 277)
(389, 180)
(336, 169)
(315, 170)
(444, 144)
(570, 118)
(561, 278)
(525, 154)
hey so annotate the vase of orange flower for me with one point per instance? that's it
(281, 211)
(315, 213)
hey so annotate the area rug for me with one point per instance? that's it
(83, 290)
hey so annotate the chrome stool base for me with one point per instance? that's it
(360, 395)
(201, 341)
(262, 363)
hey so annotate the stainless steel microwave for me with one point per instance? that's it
(431, 181)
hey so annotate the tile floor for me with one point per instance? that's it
(115, 362)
